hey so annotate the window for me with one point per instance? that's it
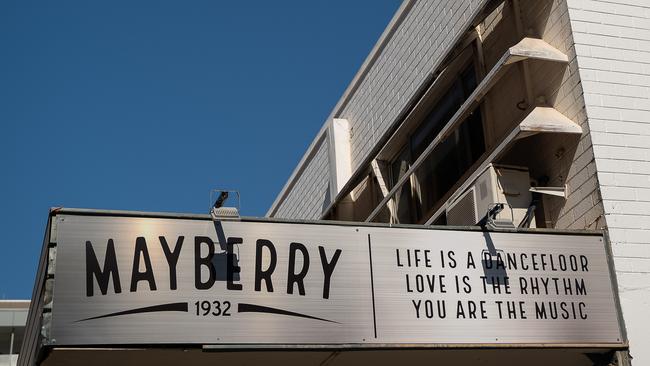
(449, 160)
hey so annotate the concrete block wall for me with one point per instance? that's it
(612, 42)
(419, 43)
(412, 52)
(310, 192)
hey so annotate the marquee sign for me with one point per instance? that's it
(130, 280)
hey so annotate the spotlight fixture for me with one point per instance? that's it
(218, 211)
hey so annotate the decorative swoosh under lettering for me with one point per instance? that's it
(252, 308)
(175, 306)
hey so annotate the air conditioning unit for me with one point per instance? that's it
(505, 184)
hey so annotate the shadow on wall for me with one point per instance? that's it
(560, 86)
(327, 199)
(549, 157)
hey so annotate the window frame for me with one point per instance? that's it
(468, 57)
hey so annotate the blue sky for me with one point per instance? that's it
(147, 105)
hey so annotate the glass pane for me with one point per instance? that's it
(449, 160)
(435, 120)
(448, 163)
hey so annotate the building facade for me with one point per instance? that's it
(557, 90)
(13, 316)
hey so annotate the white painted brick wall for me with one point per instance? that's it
(613, 49)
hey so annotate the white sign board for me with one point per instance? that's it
(127, 280)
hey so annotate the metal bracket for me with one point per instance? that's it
(491, 220)
(551, 191)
